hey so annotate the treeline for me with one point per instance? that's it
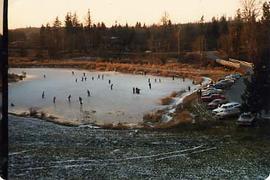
(71, 36)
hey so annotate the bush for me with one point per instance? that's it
(173, 94)
(153, 117)
(33, 112)
(166, 100)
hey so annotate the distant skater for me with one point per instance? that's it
(159, 80)
(188, 88)
(54, 98)
(111, 86)
(102, 76)
(44, 76)
(138, 90)
(149, 80)
(80, 100)
(88, 93)
(69, 97)
(83, 74)
(93, 78)
(43, 95)
(172, 77)
(133, 90)
(109, 81)
(150, 86)
(76, 80)
(98, 76)
(72, 72)
(155, 80)
(85, 78)
(82, 78)
(183, 79)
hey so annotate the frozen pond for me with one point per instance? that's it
(104, 105)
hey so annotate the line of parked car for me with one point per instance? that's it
(221, 108)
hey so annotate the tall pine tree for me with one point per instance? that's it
(257, 94)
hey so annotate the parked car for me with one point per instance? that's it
(246, 119)
(222, 85)
(228, 113)
(211, 91)
(212, 97)
(211, 88)
(216, 102)
(229, 82)
(231, 105)
(230, 78)
(236, 76)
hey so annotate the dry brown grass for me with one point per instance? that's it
(182, 118)
(190, 98)
(153, 117)
(173, 94)
(166, 100)
(192, 71)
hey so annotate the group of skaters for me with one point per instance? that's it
(136, 90)
(84, 78)
(149, 82)
(68, 98)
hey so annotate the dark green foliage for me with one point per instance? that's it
(257, 94)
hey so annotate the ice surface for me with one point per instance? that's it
(103, 106)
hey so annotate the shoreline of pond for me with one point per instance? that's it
(168, 111)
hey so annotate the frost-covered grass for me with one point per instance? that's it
(40, 149)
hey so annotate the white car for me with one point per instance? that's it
(231, 105)
(246, 119)
(228, 113)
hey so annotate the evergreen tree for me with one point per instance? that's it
(68, 32)
(257, 94)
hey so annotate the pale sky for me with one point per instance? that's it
(24, 13)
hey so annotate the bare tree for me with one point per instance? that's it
(165, 19)
(250, 8)
(250, 12)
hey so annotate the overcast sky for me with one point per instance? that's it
(24, 13)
